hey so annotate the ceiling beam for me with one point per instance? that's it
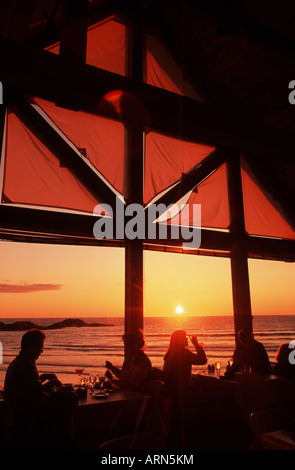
(50, 222)
(43, 226)
(52, 31)
(191, 179)
(229, 19)
(16, 17)
(73, 31)
(43, 74)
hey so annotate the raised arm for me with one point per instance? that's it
(200, 357)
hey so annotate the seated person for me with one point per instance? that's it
(137, 366)
(249, 352)
(178, 361)
(24, 388)
(284, 367)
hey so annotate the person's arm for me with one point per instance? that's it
(200, 357)
(115, 370)
(44, 377)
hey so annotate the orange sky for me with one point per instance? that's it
(63, 281)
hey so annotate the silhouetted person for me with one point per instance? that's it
(137, 366)
(180, 392)
(283, 367)
(31, 411)
(178, 360)
(250, 352)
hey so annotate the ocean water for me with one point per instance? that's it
(89, 347)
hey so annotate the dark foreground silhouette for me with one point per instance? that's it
(28, 325)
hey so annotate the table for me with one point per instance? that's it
(103, 416)
(259, 391)
(252, 391)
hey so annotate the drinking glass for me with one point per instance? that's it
(79, 372)
(101, 379)
(247, 368)
(217, 367)
(84, 381)
(92, 380)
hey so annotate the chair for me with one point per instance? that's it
(271, 420)
(276, 420)
(153, 388)
(141, 441)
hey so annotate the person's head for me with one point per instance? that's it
(134, 341)
(178, 342)
(246, 338)
(283, 353)
(32, 343)
(178, 339)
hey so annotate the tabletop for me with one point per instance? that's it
(251, 391)
(113, 397)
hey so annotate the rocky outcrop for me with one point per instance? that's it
(68, 323)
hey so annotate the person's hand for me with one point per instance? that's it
(194, 340)
(48, 387)
(109, 365)
(44, 377)
(109, 375)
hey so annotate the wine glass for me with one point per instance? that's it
(101, 379)
(247, 368)
(92, 380)
(84, 381)
(79, 372)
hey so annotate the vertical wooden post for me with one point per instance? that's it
(239, 261)
(134, 194)
(73, 38)
(73, 34)
(2, 150)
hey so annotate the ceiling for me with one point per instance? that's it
(239, 54)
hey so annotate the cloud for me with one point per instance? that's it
(24, 288)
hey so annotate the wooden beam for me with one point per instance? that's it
(2, 122)
(96, 13)
(70, 228)
(229, 19)
(134, 248)
(50, 222)
(239, 261)
(192, 178)
(61, 149)
(270, 248)
(40, 73)
(134, 193)
(16, 17)
(73, 33)
(2, 145)
(73, 36)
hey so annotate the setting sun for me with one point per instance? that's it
(179, 310)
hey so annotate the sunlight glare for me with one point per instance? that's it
(179, 310)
